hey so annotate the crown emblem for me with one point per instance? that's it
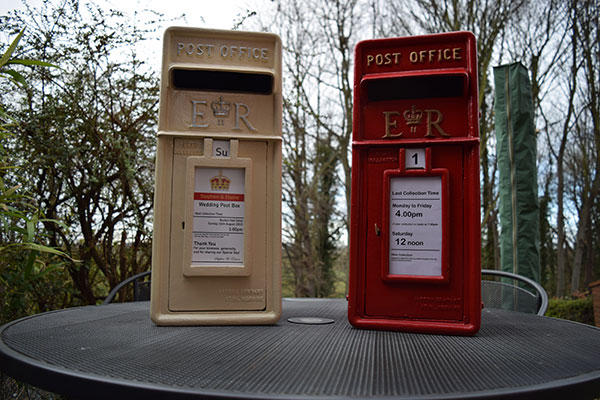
(413, 118)
(220, 109)
(220, 182)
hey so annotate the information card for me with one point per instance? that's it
(218, 231)
(416, 226)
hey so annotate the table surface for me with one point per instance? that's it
(98, 351)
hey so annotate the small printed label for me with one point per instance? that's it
(221, 148)
(415, 226)
(247, 295)
(218, 232)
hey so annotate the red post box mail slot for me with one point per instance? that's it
(415, 216)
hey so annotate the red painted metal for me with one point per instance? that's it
(413, 93)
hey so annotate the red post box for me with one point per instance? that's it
(415, 212)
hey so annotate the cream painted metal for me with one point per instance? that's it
(216, 257)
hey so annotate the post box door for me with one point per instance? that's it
(414, 294)
(219, 291)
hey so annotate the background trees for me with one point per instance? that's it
(30, 273)
(555, 40)
(317, 133)
(84, 142)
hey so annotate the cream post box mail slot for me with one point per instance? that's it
(216, 255)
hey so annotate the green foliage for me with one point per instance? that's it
(7, 59)
(28, 268)
(579, 309)
(11, 389)
(339, 280)
(85, 141)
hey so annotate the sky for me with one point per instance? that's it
(218, 14)
(214, 14)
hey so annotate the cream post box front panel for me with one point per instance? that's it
(217, 228)
(211, 73)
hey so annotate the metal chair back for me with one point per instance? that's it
(141, 288)
(505, 290)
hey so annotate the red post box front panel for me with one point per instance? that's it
(415, 224)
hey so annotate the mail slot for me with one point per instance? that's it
(415, 216)
(216, 255)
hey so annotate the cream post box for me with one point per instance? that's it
(216, 257)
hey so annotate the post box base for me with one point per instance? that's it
(215, 318)
(432, 327)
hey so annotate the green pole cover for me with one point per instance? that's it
(516, 152)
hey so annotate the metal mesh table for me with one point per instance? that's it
(116, 350)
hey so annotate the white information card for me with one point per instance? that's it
(218, 232)
(416, 226)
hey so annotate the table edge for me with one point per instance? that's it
(55, 378)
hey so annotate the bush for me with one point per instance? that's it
(579, 310)
(32, 277)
